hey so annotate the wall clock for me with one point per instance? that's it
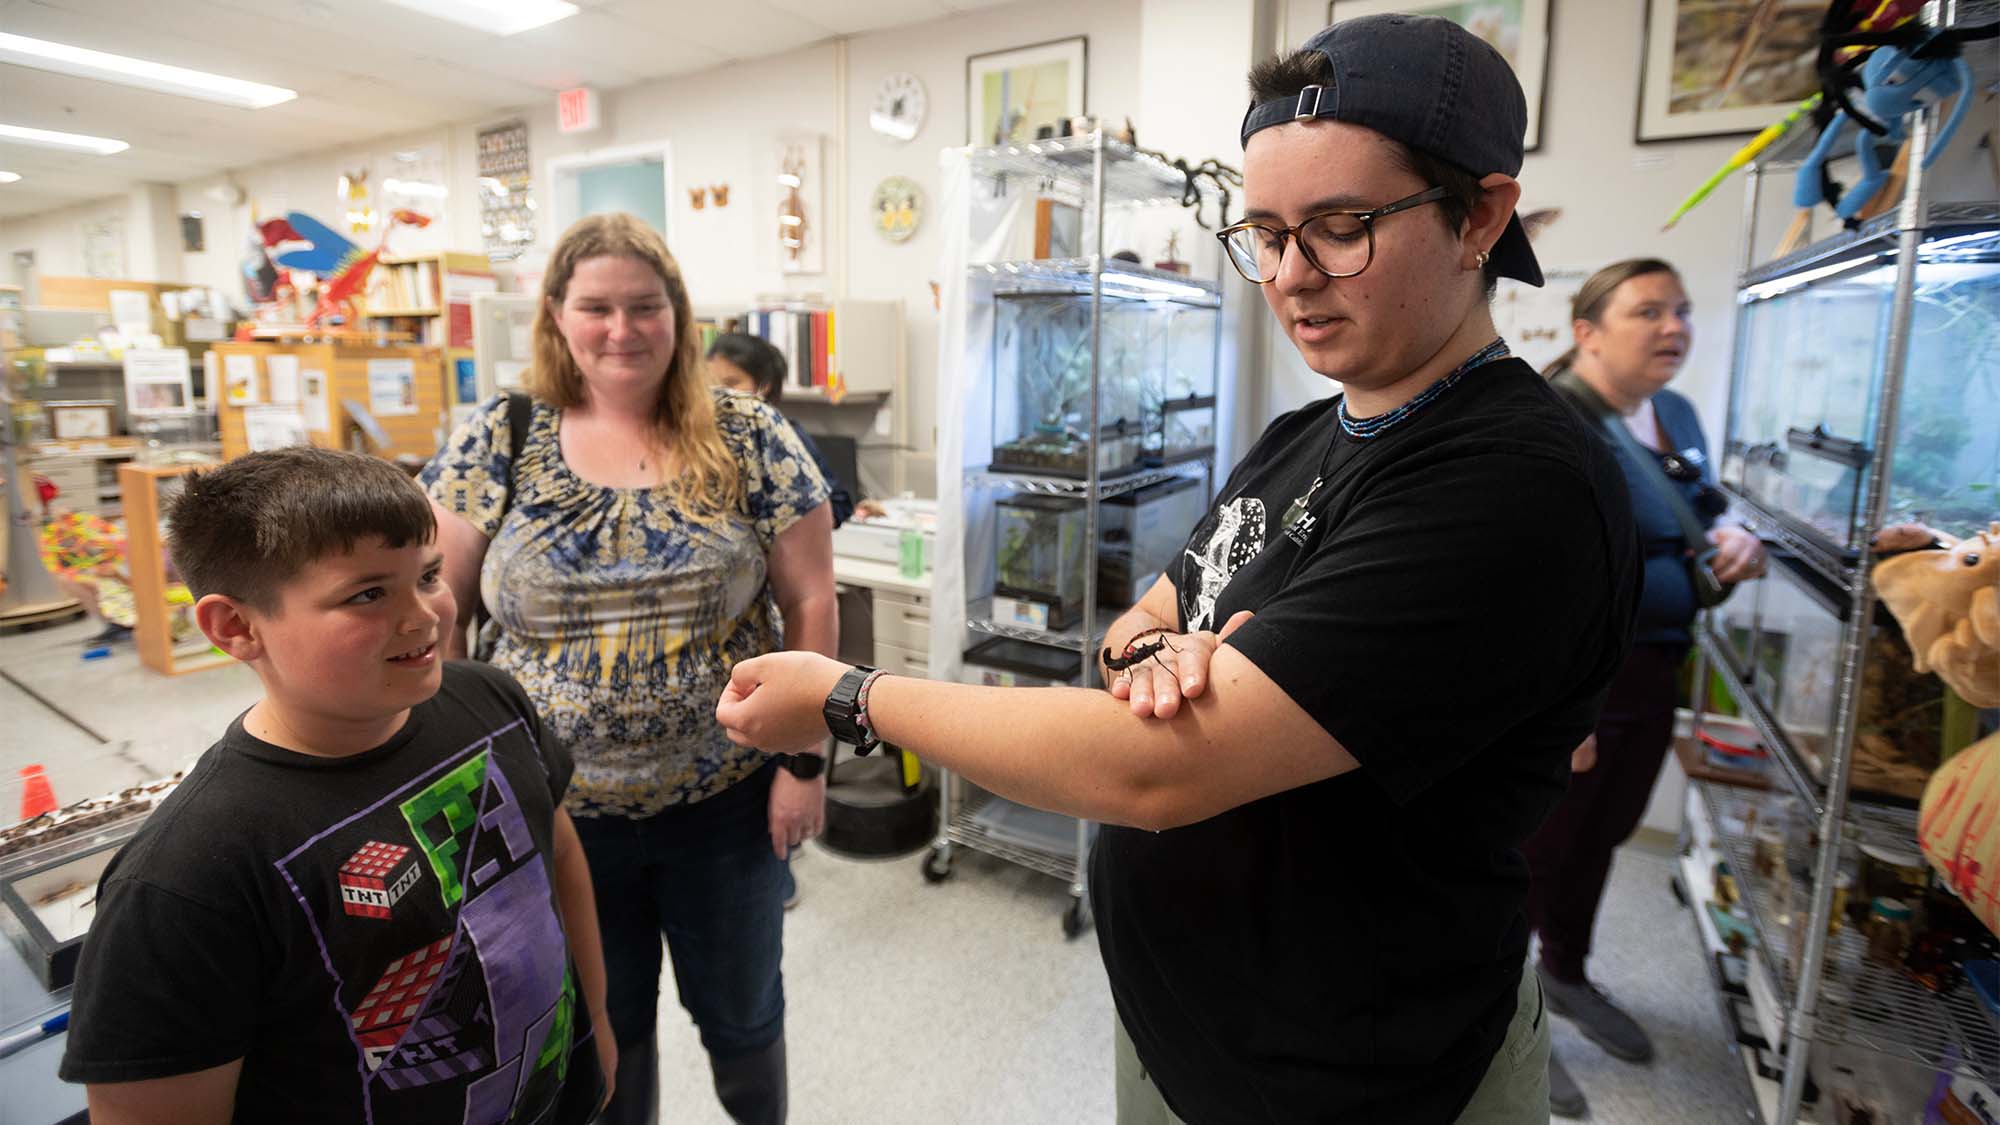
(899, 107)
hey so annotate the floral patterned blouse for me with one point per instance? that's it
(620, 614)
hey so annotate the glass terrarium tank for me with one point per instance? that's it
(1813, 347)
(1140, 533)
(1041, 548)
(1041, 384)
(1908, 721)
(1180, 402)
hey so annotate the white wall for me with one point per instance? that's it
(56, 237)
(152, 233)
(722, 127)
(1192, 108)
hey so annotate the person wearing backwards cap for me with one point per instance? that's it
(1367, 671)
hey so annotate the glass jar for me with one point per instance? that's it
(1888, 931)
(1767, 851)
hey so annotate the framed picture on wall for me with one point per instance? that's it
(1716, 67)
(1010, 94)
(1518, 29)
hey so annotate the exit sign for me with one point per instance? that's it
(578, 110)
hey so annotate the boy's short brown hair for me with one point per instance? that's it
(246, 528)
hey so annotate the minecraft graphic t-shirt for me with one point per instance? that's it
(376, 937)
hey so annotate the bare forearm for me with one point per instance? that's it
(1063, 749)
(205, 1096)
(578, 902)
(812, 624)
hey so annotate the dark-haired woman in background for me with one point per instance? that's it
(1632, 328)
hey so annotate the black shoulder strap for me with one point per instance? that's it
(1584, 395)
(520, 416)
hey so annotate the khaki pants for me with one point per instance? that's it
(1515, 1090)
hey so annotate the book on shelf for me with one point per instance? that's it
(803, 336)
(430, 297)
(853, 344)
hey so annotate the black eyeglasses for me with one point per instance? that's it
(1336, 243)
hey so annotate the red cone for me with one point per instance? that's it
(36, 796)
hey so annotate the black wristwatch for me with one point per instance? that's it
(805, 767)
(846, 710)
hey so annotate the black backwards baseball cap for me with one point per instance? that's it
(1430, 84)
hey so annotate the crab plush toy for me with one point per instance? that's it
(1948, 602)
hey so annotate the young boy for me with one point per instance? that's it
(365, 902)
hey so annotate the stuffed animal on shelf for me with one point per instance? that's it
(1897, 80)
(1948, 603)
(1955, 826)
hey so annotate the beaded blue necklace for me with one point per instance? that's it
(1298, 520)
(1365, 428)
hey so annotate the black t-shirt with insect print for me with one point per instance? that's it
(1449, 599)
(377, 937)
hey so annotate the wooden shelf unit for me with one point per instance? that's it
(345, 367)
(146, 558)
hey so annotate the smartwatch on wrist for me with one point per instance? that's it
(846, 710)
(805, 767)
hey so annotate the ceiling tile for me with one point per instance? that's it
(364, 69)
(733, 29)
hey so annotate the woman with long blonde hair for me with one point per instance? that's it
(638, 536)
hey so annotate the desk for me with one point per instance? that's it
(885, 617)
(34, 1094)
(879, 576)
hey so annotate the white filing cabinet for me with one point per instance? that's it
(902, 632)
(885, 617)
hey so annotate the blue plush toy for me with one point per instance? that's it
(1894, 83)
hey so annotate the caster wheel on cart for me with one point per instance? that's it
(937, 866)
(1076, 919)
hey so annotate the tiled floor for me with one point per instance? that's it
(909, 1003)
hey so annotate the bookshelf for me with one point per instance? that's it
(858, 341)
(428, 296)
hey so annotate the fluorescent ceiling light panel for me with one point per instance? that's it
(10, 177)
(104, 67)
(499, 17)
(49, 138)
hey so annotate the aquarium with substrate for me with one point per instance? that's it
(1812, 349)
(1784, 633)
(1041, 544)
(1041, 383)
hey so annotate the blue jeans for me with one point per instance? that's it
(703, 875)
